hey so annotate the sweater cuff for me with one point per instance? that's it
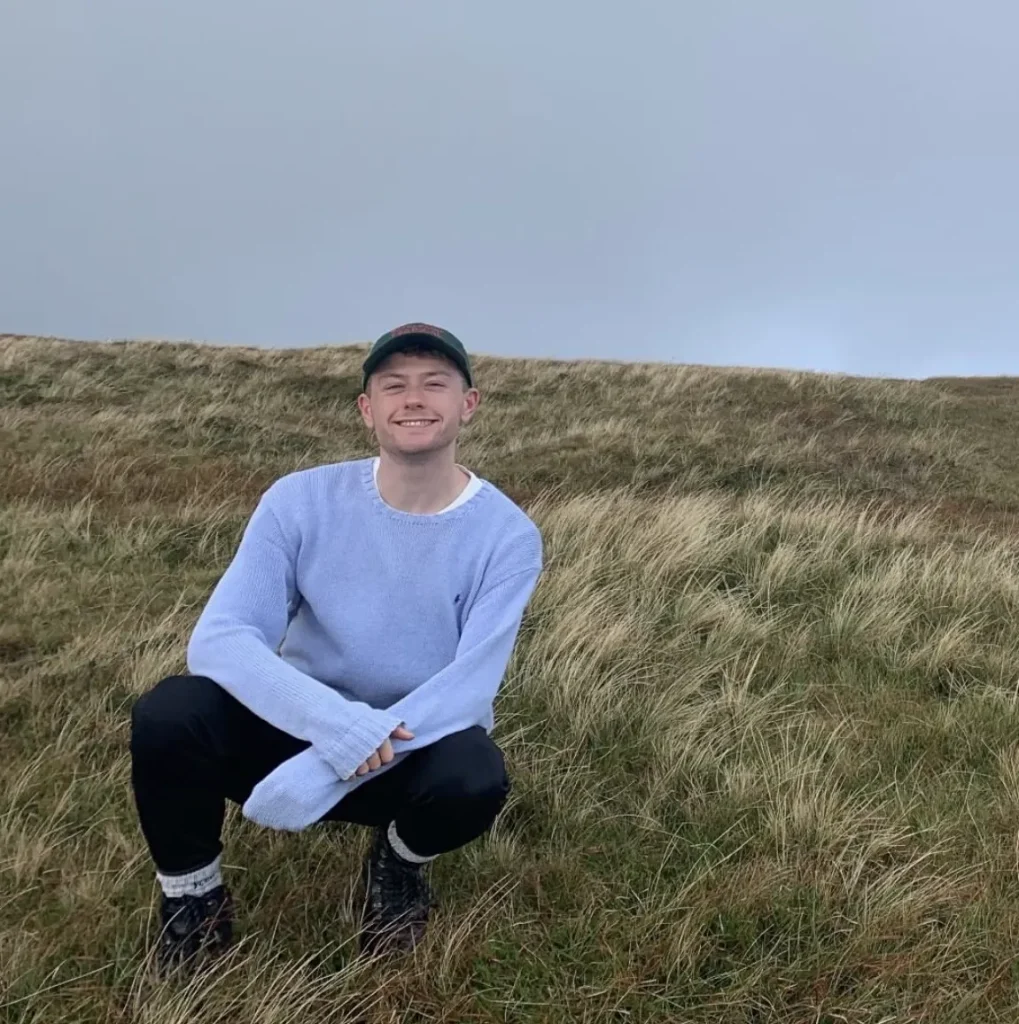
(365, 734)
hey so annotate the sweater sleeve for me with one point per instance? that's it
(460, 695)
(239, 631)
(302, 789)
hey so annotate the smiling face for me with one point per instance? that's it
(416, 402)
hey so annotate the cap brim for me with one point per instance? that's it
(402, 341)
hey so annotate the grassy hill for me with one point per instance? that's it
(763, 718)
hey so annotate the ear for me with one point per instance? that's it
(472, 399)
(365, 408)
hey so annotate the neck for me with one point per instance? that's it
(422, 485)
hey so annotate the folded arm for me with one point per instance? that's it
(460, 695)
(303, 788)
(236, 637)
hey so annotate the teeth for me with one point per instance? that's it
(415, 423)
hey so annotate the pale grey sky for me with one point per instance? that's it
(786, 183)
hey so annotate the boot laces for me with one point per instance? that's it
(402, 887)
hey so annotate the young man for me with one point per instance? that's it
(346, 663)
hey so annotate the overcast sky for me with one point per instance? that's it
(786, 183)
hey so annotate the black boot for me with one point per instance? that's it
(192, 925)
(397, 900)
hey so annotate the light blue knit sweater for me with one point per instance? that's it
(379, 617)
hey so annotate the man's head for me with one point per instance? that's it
(417, 372)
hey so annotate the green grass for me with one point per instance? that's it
(762, 720)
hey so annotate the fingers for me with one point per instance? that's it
(370, 765)
(385, 753)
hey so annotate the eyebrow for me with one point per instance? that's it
(428, 373)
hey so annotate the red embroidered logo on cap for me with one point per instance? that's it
(435, 332)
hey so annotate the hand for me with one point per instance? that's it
(385, 753)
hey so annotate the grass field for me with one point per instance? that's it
(763, 717)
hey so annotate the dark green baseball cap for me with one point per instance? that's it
(399, 338)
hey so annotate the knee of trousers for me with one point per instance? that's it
(162, 716)
(473, 790)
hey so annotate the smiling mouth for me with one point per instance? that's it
(415, 423)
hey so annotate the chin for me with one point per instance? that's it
(420, 447)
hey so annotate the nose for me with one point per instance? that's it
(412, 400)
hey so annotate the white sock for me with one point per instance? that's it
(403, 851)
(193, 883)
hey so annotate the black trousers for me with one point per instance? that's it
(194, 746)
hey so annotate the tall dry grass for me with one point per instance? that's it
(762, 719)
